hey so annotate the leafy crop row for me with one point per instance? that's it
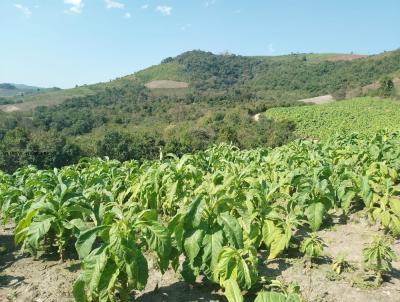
(363, 115)
(218, 210)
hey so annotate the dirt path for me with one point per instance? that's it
(24, 279)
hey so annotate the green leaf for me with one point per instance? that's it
(195, 212)
(212, 246)
(232, 229)
(136, 267)
(159, 240)
(107, 281)
(36, 231)
(315, 213)
(270, 297)
(192, 244)
(78, 291)
(232, 291)
(86, 239)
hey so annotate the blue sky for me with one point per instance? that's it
(67, 42)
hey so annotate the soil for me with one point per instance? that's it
(25, 279)
(166, 84)
(319, 100)
(345, 57)
(9, 108)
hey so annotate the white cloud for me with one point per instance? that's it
(114, 4)
(164, 10)
(145, 6)
(25, 10)
(76, 5)
(128, 15)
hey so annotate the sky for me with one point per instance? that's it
(65, 43)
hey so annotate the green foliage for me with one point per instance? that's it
(363, 115)
(387, 88)
(378, 256)
(312, 246)
(216, 209)
(232, 291)
(238, 265)
(118, 265)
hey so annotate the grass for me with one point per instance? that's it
(362, 115)
(167, 71)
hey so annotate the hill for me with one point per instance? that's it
(362, 115)
(184, 104)
(9, 89)
(282, 78)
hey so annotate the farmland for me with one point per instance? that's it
(362, 115)
(223, 216)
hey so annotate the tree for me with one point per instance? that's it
(387, 87)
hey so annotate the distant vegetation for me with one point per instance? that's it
(125, 120)
(8, 90)
(288, 77)
(130, 122)
(363, 115)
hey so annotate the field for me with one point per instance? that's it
(362, 115)
(294, 223)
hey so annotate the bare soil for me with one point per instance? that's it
(166, 84)
(26, 106)
(345, 57)
(25, 279)
(9, 108)
(319, 100)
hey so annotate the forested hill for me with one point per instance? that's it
(284, 77)
(184, 104)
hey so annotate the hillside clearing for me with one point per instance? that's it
(166, 84)
(323, 99)
(9, 108)
(345, 57)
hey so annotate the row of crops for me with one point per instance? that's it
(363, 115)
(208, 214)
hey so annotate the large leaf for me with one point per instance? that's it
(232, 229)
(275, 239)
(78, 291)
(270, 297)
(86, 239)
(194, 213)
(232, 291)
(136, 267)
(212, 246)
(159, 240)
(192, 244)
(315, 213)
(36, 231)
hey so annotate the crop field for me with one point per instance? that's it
(221, 216)
(362, 115)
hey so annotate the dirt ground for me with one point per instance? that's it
(166, 84)
(345, 57)
(319, 100)
(46, 280)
